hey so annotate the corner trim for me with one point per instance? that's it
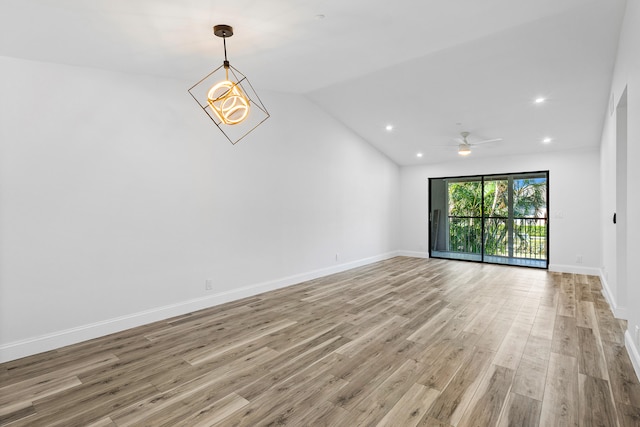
(634, 353)
(30, 346)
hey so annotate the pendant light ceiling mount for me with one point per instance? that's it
(230, 100)
(223, 31)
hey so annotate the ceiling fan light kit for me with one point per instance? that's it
(464, 149)
(228, 98)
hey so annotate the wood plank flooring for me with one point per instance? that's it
(403, 342)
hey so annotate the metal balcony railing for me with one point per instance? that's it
(528, 236)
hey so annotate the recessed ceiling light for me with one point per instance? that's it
(419, 154)
(540, 100)
(389, 127)
(546, 140)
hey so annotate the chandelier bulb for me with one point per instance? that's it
(228, 102)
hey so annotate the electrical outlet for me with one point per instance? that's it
(579, 259)
(337, 256)
(208, 285)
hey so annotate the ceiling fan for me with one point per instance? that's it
(464, 147)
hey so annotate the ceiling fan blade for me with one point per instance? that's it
(486, 141)
(444, 147)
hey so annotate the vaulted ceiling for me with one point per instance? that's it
(431, 69)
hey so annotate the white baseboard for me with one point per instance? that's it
(414, 254)
(634, 352)
(619, 312)
(17, 349)
(559, 268)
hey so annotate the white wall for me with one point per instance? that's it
(624, 297)
(573, 203)
(119, 197)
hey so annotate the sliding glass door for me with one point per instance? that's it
(492, 218)
(457, 226)
(498, 223)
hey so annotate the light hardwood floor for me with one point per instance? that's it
(404, 342)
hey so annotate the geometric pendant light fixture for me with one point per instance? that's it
(227, 97)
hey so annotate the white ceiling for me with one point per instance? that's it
(432, 68)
